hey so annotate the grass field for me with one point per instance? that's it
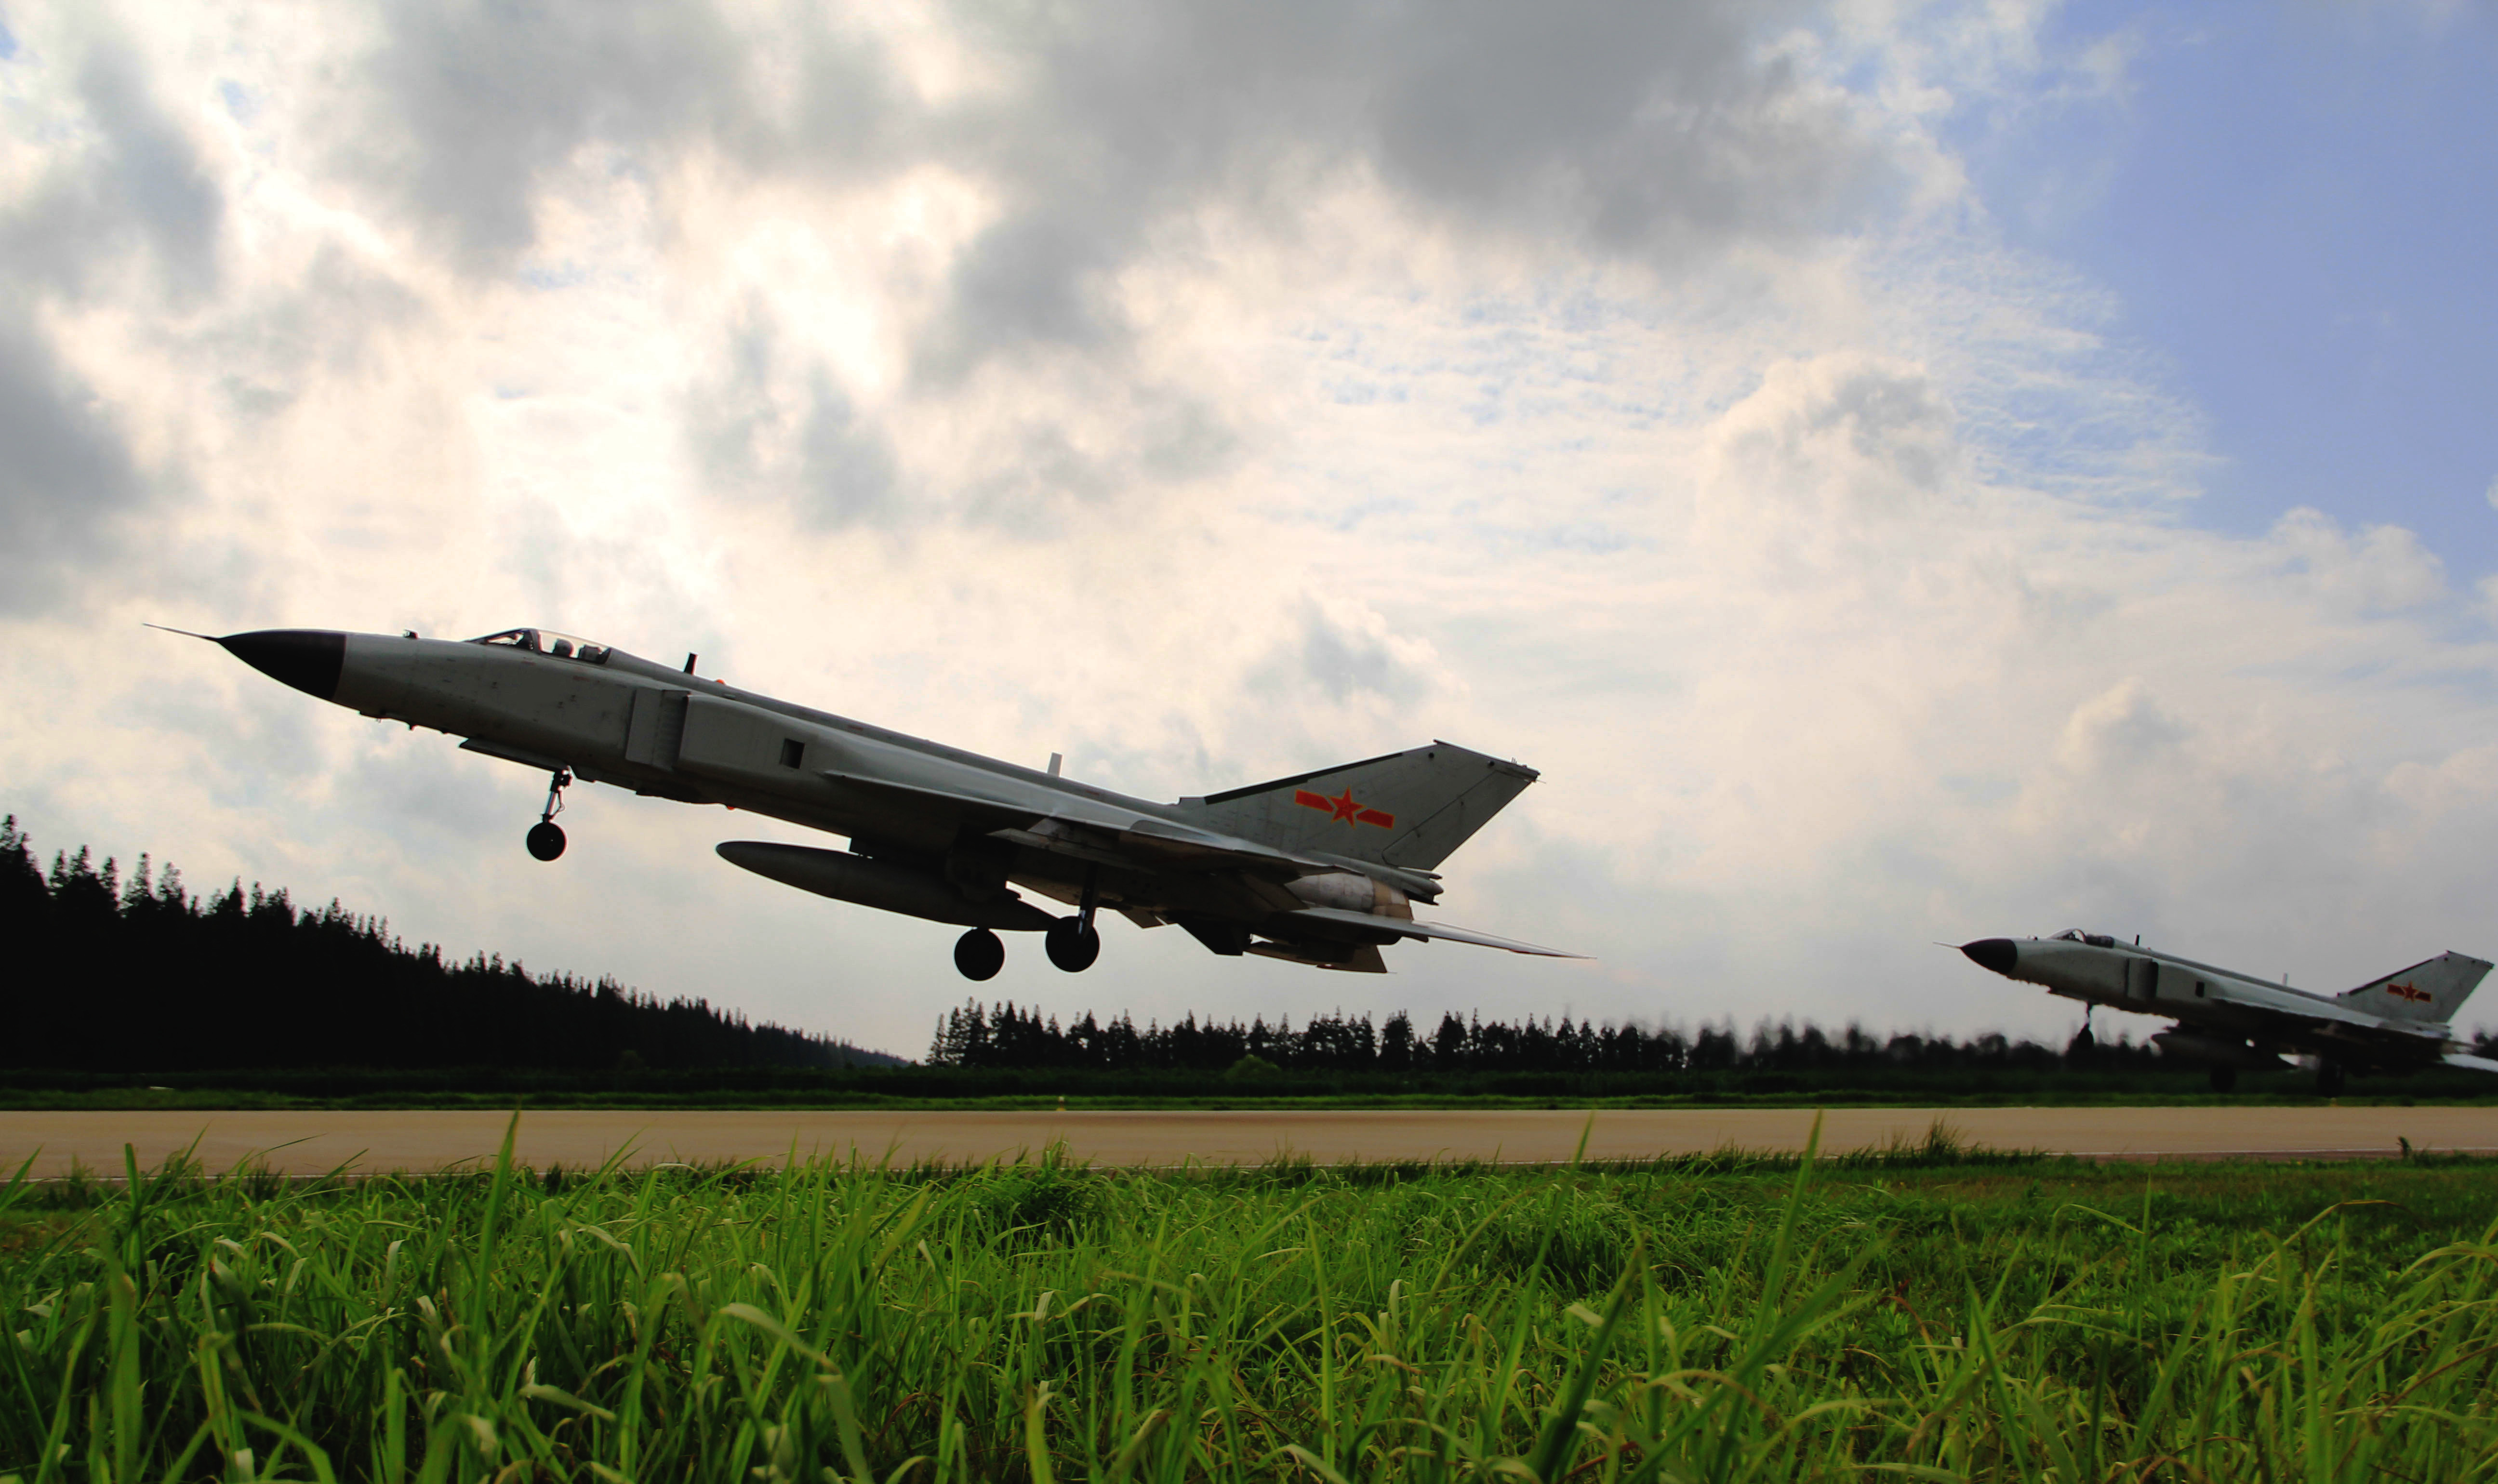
(1923, 1313)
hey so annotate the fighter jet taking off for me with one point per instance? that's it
(1320, 869)
(2232, 1021)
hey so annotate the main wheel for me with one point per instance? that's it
(2328, 1079)
(1073, 945)
(979, 954)
(546, 839)
(2083, 1045)
(2225, 1078)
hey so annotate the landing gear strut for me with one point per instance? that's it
(979, 954)
(546, 836)
(1073, 942)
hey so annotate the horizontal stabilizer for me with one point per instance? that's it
(1406, 928)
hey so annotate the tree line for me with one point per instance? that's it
(1007, 1036)
(113, 973)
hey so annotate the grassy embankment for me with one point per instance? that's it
(942, 1087)
(1958, 1315)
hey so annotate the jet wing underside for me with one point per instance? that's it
(2326, 1027)
(1124, 842)
(1331, 921)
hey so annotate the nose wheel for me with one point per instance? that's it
(546, 836)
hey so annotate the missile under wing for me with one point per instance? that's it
(1324, 868)
(2232, 1021)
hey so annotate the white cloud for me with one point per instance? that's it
(1206, 394)
(2387, 568)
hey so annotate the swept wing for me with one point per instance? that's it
(1407, 927)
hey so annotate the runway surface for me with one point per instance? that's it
(297, 1142)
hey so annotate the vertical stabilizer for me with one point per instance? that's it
(1409, 809)
(2432, 990)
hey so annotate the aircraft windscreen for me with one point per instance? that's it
(2094, 940)
(546, 641)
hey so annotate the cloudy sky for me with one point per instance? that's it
(1903, 472)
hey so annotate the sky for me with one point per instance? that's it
(1903, 472)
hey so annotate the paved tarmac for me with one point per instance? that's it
(296, 1143)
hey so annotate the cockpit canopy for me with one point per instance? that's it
(546, 641)
(2076, 935)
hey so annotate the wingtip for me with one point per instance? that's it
(1540, 952)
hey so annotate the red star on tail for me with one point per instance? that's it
(1345, 807)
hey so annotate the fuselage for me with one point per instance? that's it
(2233, 1017)
(605, 716)
(661, 731)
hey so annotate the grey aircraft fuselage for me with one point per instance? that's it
(1282, 869)
(2229, 1021)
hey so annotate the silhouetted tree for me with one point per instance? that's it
(115, 975)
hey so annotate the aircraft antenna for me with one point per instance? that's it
(690, 662)
(1056, 761)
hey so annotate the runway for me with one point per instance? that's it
(296, 1143)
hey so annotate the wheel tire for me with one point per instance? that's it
(979, 954)
(546, 839)
(1071, 945)
(2083, 1045)
(2225, 1079)
(2330, 1080)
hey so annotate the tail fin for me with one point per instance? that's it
(1410, 809)
(2431, 990)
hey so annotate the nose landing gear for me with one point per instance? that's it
(546, 836)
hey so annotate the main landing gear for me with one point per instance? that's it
(2225, 1078)
(979, 954)
(2329, 1077)
(1073, 942)
(546, 836)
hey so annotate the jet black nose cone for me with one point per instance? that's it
(308, 659)
(1997, 953)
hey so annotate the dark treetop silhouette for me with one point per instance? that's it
(112, 973)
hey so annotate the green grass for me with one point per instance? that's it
(1920, 1312)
